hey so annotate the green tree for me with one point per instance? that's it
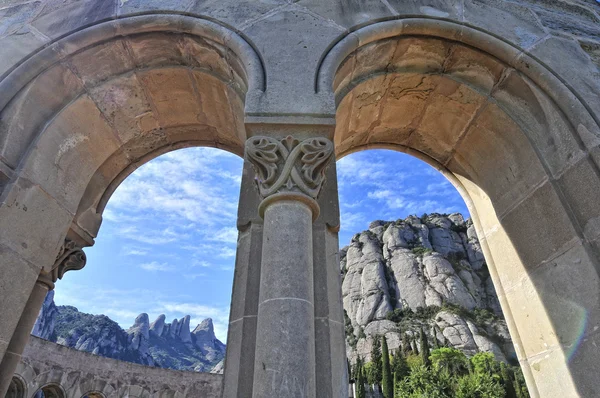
(387, 382)
(450, 360)
(424, 349)
(425, 383)
(485, 362)
(376, 363)
(414, 361)
(406, 348)
(507, 381)
(399, 365)
(436, 344)
(482, 385)
(360, 380)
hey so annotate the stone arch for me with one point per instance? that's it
(17, 388)
(519, 145)
(93, 394)
(80, 115)
(51, 390)
(96, 388)
(140, 66)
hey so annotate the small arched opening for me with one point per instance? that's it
(17, 388)
(50, 391)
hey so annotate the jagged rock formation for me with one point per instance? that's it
(158, 344)
(428, 272)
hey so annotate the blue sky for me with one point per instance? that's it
(167, 242)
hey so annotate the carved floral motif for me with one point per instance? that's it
(70, 258)
(289, 165)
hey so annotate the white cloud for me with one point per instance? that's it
(194, 276)
(135, 252)
(151, 237)
(155, 266)
(226, 252)
(379, 194)
(226, 235)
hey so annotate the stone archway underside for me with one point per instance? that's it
(514, 129)
(513, 153)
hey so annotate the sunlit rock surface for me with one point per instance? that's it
(427, 272)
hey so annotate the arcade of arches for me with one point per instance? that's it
(502, 97)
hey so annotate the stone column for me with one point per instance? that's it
(70, 257)
(289, 175)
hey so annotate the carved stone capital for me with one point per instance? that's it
(289, 166)
(70, 257)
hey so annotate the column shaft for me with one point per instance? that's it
(21, 335)
(285, 344)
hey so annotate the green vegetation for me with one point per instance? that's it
(387, 381)
(421, 251)
(376, 370)
(446, 373)
(424, 351)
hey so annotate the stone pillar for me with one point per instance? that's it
(70, 257)
(23, 330)
(289, 175)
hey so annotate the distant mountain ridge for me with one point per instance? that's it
(166, 345)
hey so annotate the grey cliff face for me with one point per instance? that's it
(166, 345)
(421, 272)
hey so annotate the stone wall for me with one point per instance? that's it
(79, 373)
(503, 97)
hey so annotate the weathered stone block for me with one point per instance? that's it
(102, 62)
(25, 205)
(233, 12)
(580, 185)
(541, 120)
(26, 114)
(478, 70)
(157, 49)
(172, 94)
(65, 157)
(59, 17)
(124, 103)
(429, 8)
(503, 164)
(512, 21)
(18, 278)
(574, 306)
(579, 71)
(544, 216)
(348, 14)
(437, 136)
(13, 18)
(16, 47)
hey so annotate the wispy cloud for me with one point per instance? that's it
(155, 266)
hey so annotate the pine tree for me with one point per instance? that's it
(376, 364)
(425, 349)
(436, 344)
(518, 388)
(360, 380)
(386, 373)
(406, 348)
(399, 366)
(507, 381)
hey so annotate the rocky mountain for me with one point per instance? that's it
(421, 273)
(161, 344)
